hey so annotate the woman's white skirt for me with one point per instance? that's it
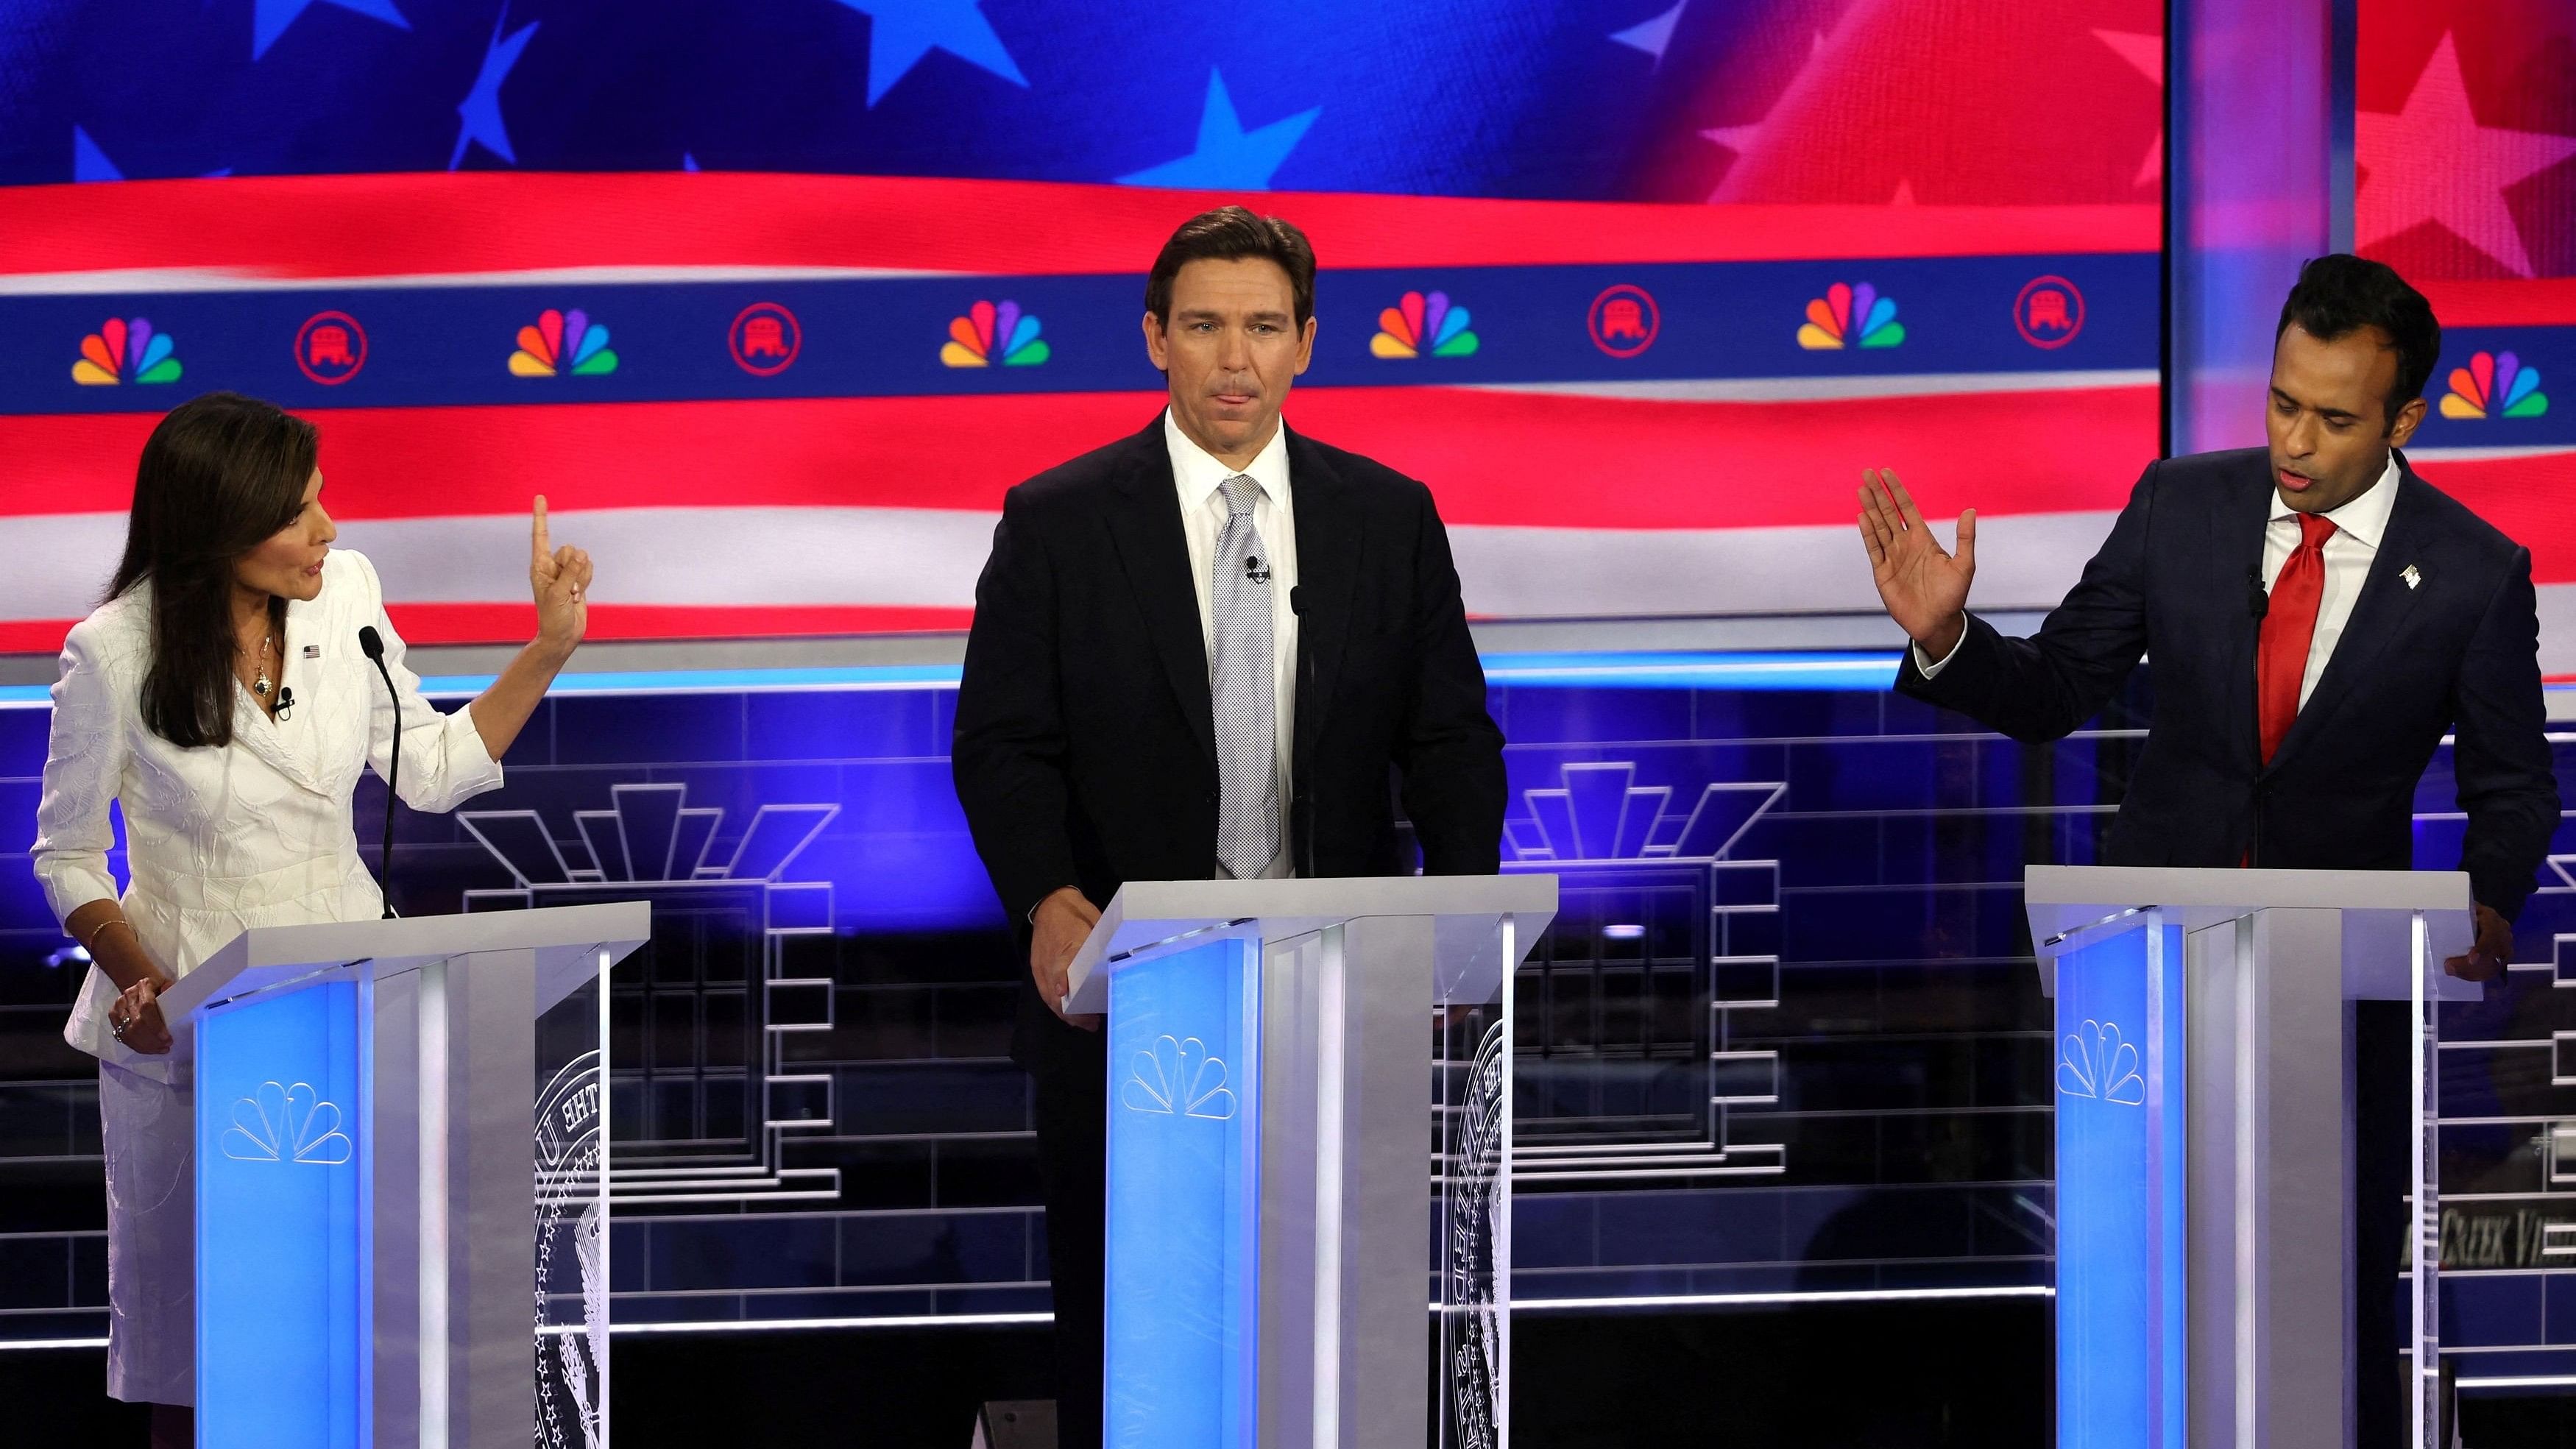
(149, 1132)
(147, 1108)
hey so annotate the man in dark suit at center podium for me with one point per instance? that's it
(2319, 618)
(1205, 650)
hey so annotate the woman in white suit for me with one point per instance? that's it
(221, 696)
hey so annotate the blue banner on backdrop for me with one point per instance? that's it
(971, 336)
(2493, 386)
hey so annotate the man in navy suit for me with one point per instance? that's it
(2319, 617)
(1209, 649)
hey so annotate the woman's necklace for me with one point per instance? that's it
(260, 683)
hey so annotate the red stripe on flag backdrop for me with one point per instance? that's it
(486, 623)
(2517, 302)
(2526, 497)
(1491, 457)
(447, 223)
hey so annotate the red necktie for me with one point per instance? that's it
(2289, 624)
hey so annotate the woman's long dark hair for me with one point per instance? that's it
(219, 476)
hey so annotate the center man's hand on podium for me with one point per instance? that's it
(1063, 921)
(2486, 957)
(1923, 585)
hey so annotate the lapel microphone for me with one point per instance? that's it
(2257, 602)
(285, 701)
(373, 646)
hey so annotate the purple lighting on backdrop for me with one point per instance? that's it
(2247, 200)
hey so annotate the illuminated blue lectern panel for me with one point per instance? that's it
(2120, 1245)
(401, 1185)
(2204, 1067)
(1184, 1195)
(1309, 1143)
(283, 1241)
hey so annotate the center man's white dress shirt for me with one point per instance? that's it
(1200, 479)
(2359, 525)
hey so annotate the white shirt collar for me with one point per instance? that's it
(1199, 475)
(2365, 517)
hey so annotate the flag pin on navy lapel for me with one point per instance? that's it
(2411, 576)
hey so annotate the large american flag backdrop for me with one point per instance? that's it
(2465, 148)
(774, 298)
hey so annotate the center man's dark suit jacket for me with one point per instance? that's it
(1085, 750)
(2454, 650)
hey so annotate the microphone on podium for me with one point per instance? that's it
(372, 645)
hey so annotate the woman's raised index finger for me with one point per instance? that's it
(538, 552)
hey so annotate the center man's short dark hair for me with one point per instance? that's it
(1225, 234)
(2339, 295)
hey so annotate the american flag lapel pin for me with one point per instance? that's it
(2411, 575)
(312, 651)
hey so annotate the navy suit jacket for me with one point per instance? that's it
(1085, 749)
(2457, 651)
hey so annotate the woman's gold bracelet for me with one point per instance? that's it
(101, 929)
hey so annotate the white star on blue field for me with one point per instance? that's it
(269, 18)
(89, 163)
(1653, 35)
(1060, 91)
(1228, 157)
(902, 32)
(481, 108)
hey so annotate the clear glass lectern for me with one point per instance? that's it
(399, 1153)
(1309, 1156)
(2205, 1144)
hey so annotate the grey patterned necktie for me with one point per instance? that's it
(1243, 690)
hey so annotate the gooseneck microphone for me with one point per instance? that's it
(373, 646)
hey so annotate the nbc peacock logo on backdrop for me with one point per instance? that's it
(2495, 385)
(563, 342)
(992, 332)
(1850, 316)
(123, 351)
(1423, 326)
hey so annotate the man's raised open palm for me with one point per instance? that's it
(1923, 585)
